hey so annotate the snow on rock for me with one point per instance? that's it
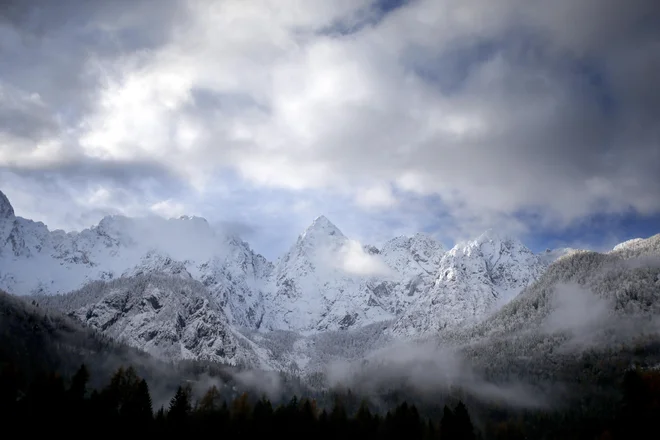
(310, 289)
(629, 244)
(626, 280)
(155, 262)
(237, 280)
(179, 289)
(415, 260)
(34, 260)
(472, 280)
(170, 318)
(328, 282)
(6, 210)
(649, 247)
(325, 282)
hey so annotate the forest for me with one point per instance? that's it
(59, 405)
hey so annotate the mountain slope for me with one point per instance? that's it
(311, 289)
(169, 317)
(34, 260)
(36, 340)
(589, 298)
(472, 280)
(326, 281)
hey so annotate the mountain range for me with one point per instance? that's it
(179, 289)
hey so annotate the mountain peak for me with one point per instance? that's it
(6, 210)
(322, 226)
(322, 220)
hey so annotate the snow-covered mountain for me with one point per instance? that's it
(328, 282)
(179, 289)
(586, 298)
(312, 289)
(34, 260)
(472, 280)
(325, 282)
(169, 317)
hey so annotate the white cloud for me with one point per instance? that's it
(169, 209)
(576, 309)
(356, 261)
(480, 103)
(379, 196)
(427, 368)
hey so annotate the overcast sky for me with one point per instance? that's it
(536, 118)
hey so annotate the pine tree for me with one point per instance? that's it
(447, 425)
(306, 419)
(142, 412)
(180, 406)
(78, 387)
(240, 407)
(262, 417)
(240, 416)
(160, 422)
(9, 386)
(364, 421)
(338, 419)
(463, 424)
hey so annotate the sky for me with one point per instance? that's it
(538, 119)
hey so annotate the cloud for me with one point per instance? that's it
(168, 208)
(78, 194)
(495, 109)
(266, 382)
(355, 260)
(375, 197)
(577, 310)
(427, 369)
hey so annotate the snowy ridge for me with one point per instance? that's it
(326, 283)
(614, 285)
(35, 260)
(310, 290)
(171, 318)
(628, 244)
(473, 279)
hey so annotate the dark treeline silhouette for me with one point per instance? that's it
(124, 407)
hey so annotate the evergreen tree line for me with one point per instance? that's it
(124, 406)
(54, 405)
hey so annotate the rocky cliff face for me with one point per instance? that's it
(472, 279)
(172, 317)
